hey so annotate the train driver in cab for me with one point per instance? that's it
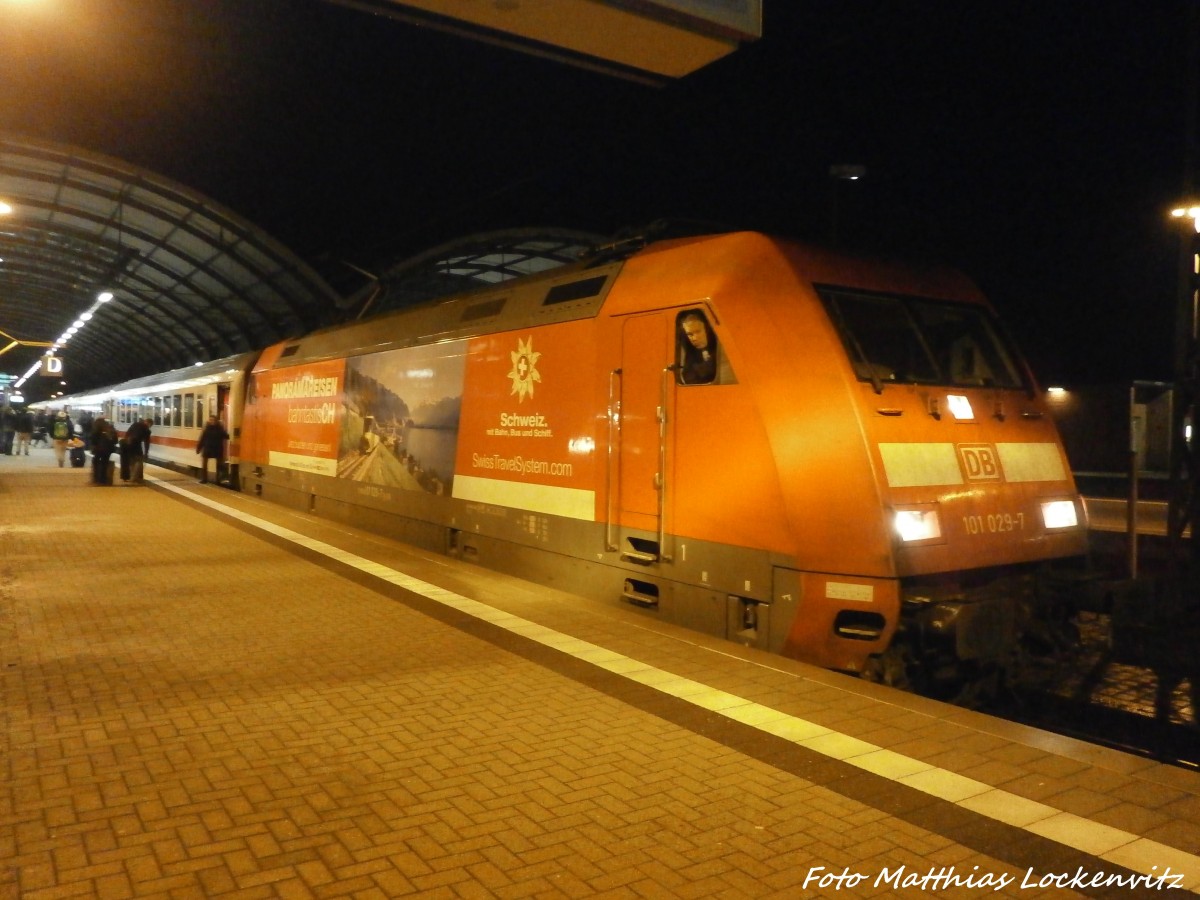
(698, 350)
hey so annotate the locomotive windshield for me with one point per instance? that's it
(910, 340)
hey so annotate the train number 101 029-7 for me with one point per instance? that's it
(993, 523)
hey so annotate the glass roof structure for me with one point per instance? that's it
(474, 262)
(185, 279)
(122, 273)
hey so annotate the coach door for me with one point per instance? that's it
(228, 453)
(642, 393)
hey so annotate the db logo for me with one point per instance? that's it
(980, 462)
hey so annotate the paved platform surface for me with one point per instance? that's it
(207, 696)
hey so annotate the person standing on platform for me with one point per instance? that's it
(137, 444)
(104, 441)
(211, 446)
(8, 429)
(61, 430)
(24, 432)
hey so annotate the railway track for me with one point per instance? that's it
(1090, 694)
(1132, 682)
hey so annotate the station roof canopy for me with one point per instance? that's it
(643, 40)
(474, 262)
(189, 280)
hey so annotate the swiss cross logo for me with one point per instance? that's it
(524, 369)
(980, 462)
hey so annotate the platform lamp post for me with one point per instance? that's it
(839, 174)
(1184, 508)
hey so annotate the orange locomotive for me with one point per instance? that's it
(839, 460)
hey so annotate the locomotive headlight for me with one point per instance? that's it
(960, 407)
(917, 524)
(1059, 514)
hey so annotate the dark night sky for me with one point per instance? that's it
(1035, 144)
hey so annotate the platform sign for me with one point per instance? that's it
(52, 366)
(743, 17)
(667, 38)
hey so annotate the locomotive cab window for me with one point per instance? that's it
(911, 340)
(698, 357)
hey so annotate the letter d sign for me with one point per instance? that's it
(52, 365)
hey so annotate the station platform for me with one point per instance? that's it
(205, 695)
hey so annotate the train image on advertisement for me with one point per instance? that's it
(836, 459)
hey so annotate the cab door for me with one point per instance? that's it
(644, 399)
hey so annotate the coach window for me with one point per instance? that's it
(697, 356)
(189, 407)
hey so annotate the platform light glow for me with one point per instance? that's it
(1188, 212)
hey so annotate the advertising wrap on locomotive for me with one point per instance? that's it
(838, 459)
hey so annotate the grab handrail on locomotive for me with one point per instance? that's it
(837, 459)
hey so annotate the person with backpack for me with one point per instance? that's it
(8, 429)
(137, 444)
(104, 442)
(61, 431)
(212, 446)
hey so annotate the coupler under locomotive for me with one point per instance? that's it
(968, 642)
